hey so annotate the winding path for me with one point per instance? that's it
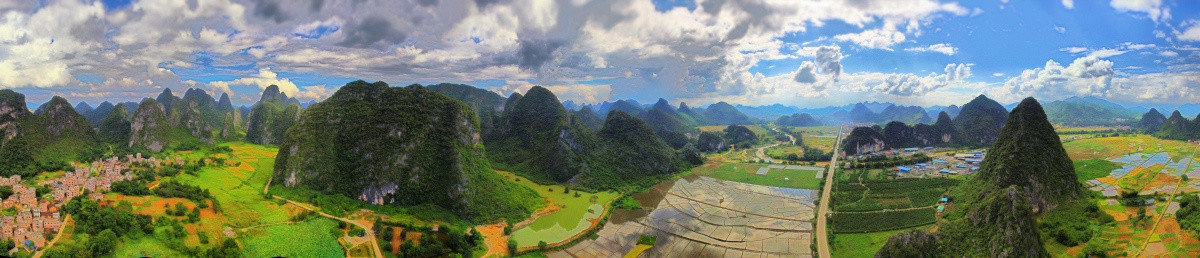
(823, 211)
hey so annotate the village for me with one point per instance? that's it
(35, 220)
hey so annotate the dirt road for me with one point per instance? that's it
(370, 233)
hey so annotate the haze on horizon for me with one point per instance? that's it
(796, 53)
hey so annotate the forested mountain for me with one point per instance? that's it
(537, 137)
(31, 142)
(1151, 121)
(798, 119)
(271, 117)
(1090, 111)
(83, 108)
(664, 117)
(397, 146)
(631, 150)
(116, 127)
(907, 114)
(97, 115)
(980, 121)
(1026, 170)
(1177, 128)
(722, 113)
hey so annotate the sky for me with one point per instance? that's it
(805, 53)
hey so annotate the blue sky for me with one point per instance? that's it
(753, 52)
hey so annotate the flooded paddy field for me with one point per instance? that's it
(700, 216)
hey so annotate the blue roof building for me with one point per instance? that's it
(904, 169)
(945, 171)
(944, 199)
(911, 149)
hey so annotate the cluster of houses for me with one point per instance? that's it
(961, 163)
(34, 218)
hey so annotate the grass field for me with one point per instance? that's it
(863, 244)
(571, 214)
(144, 247)
(784, 150)
(745, 173)
(1093, 168)
(308, 239)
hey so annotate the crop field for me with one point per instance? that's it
(308, 239)
(863, 244)
(571, 213)
(144, 247)
(877, 195)
(862, 222)
(1112, 147)
(240, 188)
(1143, 164)
(746, 173)
(784, 150)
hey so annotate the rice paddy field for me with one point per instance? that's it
(566, 216)
(1143, 164)
(747, 173)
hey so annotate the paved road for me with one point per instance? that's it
(823, 211)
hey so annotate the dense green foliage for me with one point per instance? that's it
(131, 188)
(1189, 212)
(172, 189)
(400, 146)
(711, 142)
(740, 136)
(1072, 225)
(916, 243)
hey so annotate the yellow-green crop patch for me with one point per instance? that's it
(576, 212)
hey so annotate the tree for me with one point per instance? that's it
(542, 245)
(512, 246)
(103, 243)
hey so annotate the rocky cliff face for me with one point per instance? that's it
(393, 146)
(12, 110)
(149, 126)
